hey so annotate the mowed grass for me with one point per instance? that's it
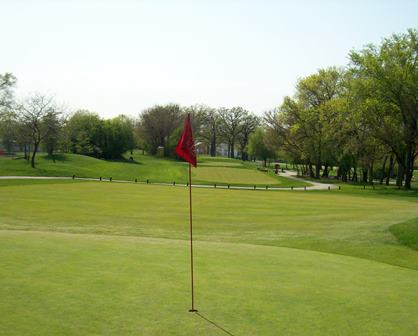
(146, 167)
(236, 176)
(64, 284)
(108, 258)
(143, 167)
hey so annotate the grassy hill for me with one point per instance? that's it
(106, 258)
(143, 167)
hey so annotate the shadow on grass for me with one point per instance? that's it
(55, 157)
(124, 160)
(406, 233)
(214, 324)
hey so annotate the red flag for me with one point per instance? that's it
(185, 147)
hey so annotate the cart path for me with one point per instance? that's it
(288, 174)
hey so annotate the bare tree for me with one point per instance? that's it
(37, 114)
(230, 126)
(158, 123)
(205, 122)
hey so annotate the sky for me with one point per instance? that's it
(121, 57)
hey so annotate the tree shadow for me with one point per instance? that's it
(214, 324)
(56, 157)
(125, 160)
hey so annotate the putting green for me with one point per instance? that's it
(70, 284)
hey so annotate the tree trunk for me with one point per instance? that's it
(371, 173)
(311, 172)
(325, 172)
(400, 173)
(232, 149)
(343, 172)
(364, 180)
(390, 170)
(354, 178)
(35, 149)
(383, 170)
(409, 167)
(213, 146)
(318, 169)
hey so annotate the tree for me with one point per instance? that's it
(257, 146)
(230, 126)
(53, 125)
(8, 121)
(205, 122)
(118, 137)
(248, 125)
(316, 96)
(7, 82)
(84, 130)
(158, 123)
(35, 113)
(305, 124)
(8, 129)
(386, 87)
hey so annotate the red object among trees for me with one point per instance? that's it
(185, 147)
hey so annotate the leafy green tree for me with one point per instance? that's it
(8, 129)
(386, 88)
(53, 124)
(84, 131)
(118, 137)
(257, 146)
(8, 118)
(249, 124)
(7, 83)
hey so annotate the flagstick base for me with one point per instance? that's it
(193, 310)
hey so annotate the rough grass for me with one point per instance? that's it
(407, 233)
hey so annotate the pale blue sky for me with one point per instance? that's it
(116, 57)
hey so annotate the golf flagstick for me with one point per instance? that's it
(191, 237)
(186, 150)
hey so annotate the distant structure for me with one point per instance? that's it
(160, 151)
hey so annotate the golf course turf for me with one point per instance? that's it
(147, 167)
(107, 258)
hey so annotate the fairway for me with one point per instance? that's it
(233, 176)
(147, 167)
(108, 258)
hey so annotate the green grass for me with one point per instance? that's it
(407, 233)
(143, 167)
(146, 167)
(63, 284)
(109, 258)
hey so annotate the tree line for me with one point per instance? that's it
(359, 121)
(38, 122)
